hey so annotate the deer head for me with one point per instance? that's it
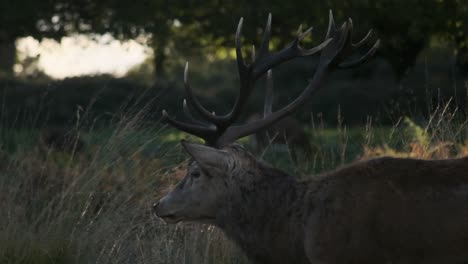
(207, 186)
(201, 194)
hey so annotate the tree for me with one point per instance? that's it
(17, 18)
(43, 19)
(457, 31)
(190, 26)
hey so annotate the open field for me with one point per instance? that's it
(93, 204)
(85, 85)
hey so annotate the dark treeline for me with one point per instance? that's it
(422, 62)
(353, 96)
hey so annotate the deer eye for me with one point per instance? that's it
(195, 174)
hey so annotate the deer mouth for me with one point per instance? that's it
(171, 218)
(174, 219)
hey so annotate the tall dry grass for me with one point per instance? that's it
(94, 205)
(444, 135)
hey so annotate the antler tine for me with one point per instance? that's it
(193, 101)
(293, 50)
(242, 67)
(307, 52)
(200, 131)
(345, 43)
(189, 115)
(333, 54)
(331, 25)
(364, 39)
(301, 35)
(269, 94)
(264, 48)
(316, 49)
(253, 53)
(364, 58)
(186, 110)
(349, 46)
(299, 30)
(245, 83)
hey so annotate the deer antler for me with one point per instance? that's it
(217, 130)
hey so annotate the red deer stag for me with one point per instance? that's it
(386, 210)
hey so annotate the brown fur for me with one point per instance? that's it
(385, 210)
(390, 210)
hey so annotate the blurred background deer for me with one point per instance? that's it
(288, 131)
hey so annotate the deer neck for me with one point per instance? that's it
(263, 217)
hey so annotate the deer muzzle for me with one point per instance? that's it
(161, 211)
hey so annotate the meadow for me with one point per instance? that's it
(83, 159)
(92, 203)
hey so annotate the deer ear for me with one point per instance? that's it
(206, 157)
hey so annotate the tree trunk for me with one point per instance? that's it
(159, 45)
(7, 57)
(462, 60)
(159, 60)
(462, 53)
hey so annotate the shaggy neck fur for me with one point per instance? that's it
(263, 215)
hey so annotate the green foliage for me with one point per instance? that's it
(186, 27)
(414, 133)
(88, 101)
(192, 27)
